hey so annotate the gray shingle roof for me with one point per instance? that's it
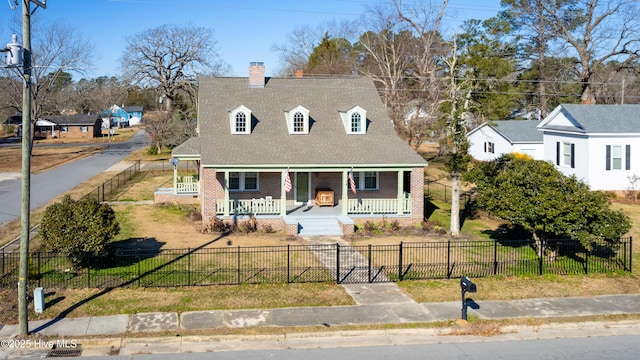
(132, 108)
(518, 130)
(270, 143)
(80, 119)
(612, 119)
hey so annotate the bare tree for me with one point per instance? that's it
(171, 57)
(57, 50)
(386, 56)
(459, 102)
(429, 49)
(598, 31)
(296, 51)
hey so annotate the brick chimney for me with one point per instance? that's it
(256, 75)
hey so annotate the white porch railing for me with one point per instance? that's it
(187, 184)
(377, 206)
(252, 206)
(184, 188)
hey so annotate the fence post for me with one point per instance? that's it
(189, 266)
(448, 259)
(369, 265)
(540, 257)
(238, 260)
(138, 256)
(337, 263)
(630, 253)
(495, 257)
(88, 270)
(586, 262)
(288, 263)
(39, 271)
(400, 262)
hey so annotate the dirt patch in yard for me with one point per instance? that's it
(43, 158)
(173, 231)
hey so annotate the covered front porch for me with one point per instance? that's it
(270, 206)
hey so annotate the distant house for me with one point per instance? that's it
(599, 144)
(123, 116)
(595, 143)
(68, 126)
(288, 149)
(492, 139)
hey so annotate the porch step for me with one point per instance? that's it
(320, 226)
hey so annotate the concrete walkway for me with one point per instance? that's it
(376, 304)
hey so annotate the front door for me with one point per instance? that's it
(302, 187)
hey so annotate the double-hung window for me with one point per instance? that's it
(618, 157)
(489, 147)
(566, 154)
(243, 181)
(366, 180)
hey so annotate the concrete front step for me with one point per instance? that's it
(319, 227)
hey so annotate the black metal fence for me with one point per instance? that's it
(437, 190)
(102, 192)
(319, 263)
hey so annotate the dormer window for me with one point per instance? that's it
(240, 120)
(297, 120)
(356, 123)
(354, 120)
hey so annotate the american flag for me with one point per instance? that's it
(287, 182)
(352, 182)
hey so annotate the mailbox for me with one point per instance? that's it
(467, 285)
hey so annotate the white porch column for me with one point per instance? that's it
(400, 192)
(226, 193)
(175, 179)
(345, 192)
(283, 194)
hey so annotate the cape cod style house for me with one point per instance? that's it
(286, 150)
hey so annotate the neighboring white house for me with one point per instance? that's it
(491, 140)
(599, 144)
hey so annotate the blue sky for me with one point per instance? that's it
(245, 30)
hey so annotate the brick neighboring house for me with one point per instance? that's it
(286, 149)
(69, 126)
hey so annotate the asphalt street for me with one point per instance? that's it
(48, 185)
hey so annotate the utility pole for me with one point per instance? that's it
(23, 277)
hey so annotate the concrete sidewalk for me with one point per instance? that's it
(381, 313)
(376, 304)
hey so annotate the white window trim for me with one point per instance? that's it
(346, 120)
(84, 129)
(489, 147)
(242, 182)
(360, 178)
(621, 157)
(289, 115)
(564, 154)
(232, 120)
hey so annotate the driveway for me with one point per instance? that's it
(47, 185)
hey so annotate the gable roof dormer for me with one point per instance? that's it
(354, 120)
(297, 120)
(240, 120)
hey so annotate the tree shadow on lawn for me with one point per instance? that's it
(63, 314)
